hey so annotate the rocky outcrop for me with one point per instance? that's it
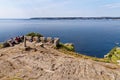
(46, 63)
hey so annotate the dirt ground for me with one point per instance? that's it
(46, 63)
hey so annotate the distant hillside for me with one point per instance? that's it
(72, 18)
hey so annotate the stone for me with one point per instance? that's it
(10, 44)
(28, 37)
(40, 45)
(26, 48)
(25, 42)
(36, 39)
(16, 42)
(34, 49)
(49, 39)
(22, 38)
(56, 42)
(43, 39)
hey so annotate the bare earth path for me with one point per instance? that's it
(49, 64)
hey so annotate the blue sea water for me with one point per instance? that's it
(90, 37)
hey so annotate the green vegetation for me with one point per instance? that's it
(114, 55)
(69, 50)
(1, 45)
(4, 44)
(78, 55)
(68, 47)
(33, 34)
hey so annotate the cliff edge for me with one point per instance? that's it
(47, 63)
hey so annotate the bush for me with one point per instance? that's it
(1, 45)
(4, 44)
(33, 34)
(113, 55)
(67, 47)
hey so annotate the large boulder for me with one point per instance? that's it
(49, 39)
(43, 39)
(36, 39)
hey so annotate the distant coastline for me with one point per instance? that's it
(64, 18)
(74, 18)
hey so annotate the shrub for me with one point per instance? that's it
(1, 45)
(113, 55)
(4, 44)
(33, 34)
(67, 47)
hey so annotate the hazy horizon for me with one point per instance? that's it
(67, 17)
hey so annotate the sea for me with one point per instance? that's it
(90, 37)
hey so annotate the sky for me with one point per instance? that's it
(59, 8)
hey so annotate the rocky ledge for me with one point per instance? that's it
(47, 63)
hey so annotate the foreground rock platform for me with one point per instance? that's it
(46, 63)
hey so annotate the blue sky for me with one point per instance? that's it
(58, 8)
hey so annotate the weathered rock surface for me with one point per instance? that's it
(49, 64)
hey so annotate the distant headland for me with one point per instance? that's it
(73, 18)
(64, 18)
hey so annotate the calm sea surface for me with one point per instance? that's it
(90, 37)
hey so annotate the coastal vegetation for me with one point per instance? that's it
(33, 34)
(1, 45)
(113, 55)
(69, 49)
(67, 46)
(78, 55)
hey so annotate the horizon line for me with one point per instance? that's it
(64, 17)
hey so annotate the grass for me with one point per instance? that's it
(78, 55)
(66, 47)
(70, 50)
(114, 55)
(1, 45)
